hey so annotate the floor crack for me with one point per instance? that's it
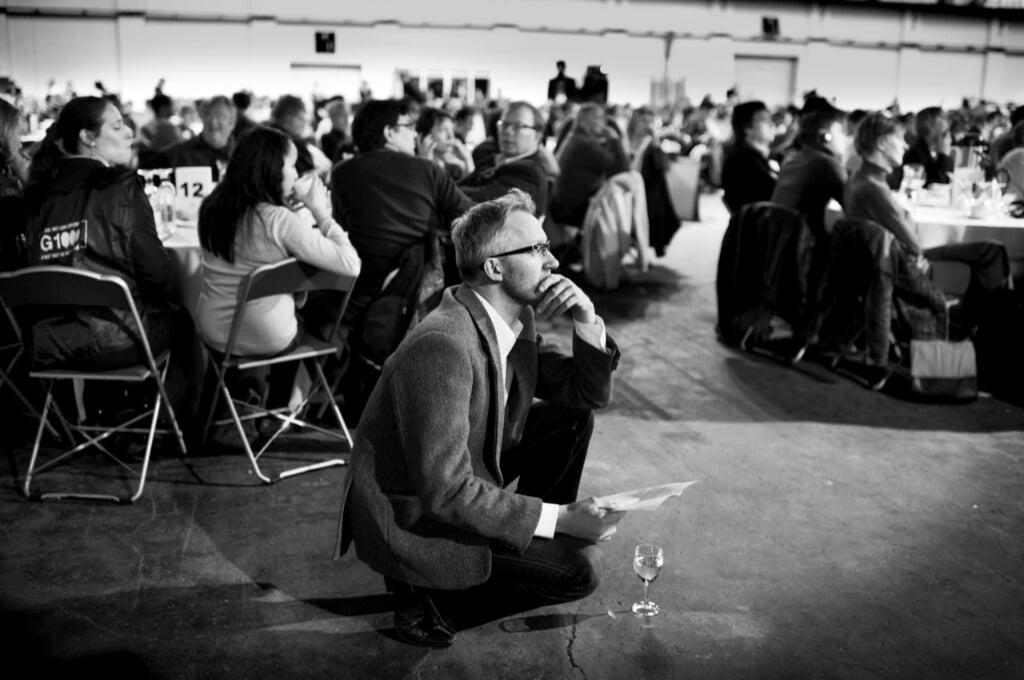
(572, 641)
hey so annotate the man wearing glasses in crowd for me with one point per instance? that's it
(522, 164)
(452, 424)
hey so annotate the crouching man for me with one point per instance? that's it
(452, 423)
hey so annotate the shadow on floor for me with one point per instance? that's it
(794, 393)
(207, 631)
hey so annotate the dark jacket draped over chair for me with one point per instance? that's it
(661, 216)
(762, 270)
(870, 281)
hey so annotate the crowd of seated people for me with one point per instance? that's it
(400, 171)
(211, 148)
(823, 174)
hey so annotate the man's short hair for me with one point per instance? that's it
(242, 100)
(538, 118)
(560, 64)
(286, 107)
(161, 103)
(743, 117)
(873, 128)
(1017, 115)
(479, 232)
(588, 114)
(1017, 135)
(371, 120)
(206, 105)
(814, 124)
(465, 114)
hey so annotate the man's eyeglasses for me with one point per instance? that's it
(408, 125)
(516, 126)
(541, 249)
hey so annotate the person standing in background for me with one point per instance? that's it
(561, 88)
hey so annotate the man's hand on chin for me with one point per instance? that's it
(559, 295)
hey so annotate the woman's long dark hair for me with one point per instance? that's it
(81, 113)
(10, 119)
(254, 176)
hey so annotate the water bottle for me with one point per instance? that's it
(165, 203)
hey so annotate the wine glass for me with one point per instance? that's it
(647, 562)
(913, 180)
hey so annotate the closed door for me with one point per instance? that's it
(770, 79)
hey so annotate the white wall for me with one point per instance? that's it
(863, 58)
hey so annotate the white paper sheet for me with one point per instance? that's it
(643, 499)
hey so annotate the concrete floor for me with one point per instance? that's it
(834, 533)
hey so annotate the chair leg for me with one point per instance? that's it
(5, 379)
(214, 402)
(39, 437)
(162, 397)
(241, 433)
(150, 437)
(333, 404)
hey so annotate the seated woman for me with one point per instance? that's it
(931, 148)
(87, 210)
(879, 142)
(436, 141)
(245, 223)
(13, 175)
(80, 191)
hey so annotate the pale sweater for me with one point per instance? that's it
(271, 234)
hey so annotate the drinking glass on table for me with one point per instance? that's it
(913, 180)
(648, 559)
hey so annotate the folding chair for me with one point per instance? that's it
(761, 282)
(285, 277)
(15, 350)
(68, 287)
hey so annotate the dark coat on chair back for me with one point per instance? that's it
(873, 282)
(857, 292)
(661, 216)
(762, 269)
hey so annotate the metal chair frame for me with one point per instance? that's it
(286, 277)
(7, 370)
(69, 287)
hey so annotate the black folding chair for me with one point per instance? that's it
(286, 277)
(48, 286)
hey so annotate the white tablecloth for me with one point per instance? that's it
(939, 226)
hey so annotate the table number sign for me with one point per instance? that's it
(194, 182)
(193, 185)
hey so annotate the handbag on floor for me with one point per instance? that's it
(940, 369)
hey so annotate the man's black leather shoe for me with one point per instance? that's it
(417, 620)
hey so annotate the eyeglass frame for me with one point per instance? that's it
(517, 125)
(542, 248)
